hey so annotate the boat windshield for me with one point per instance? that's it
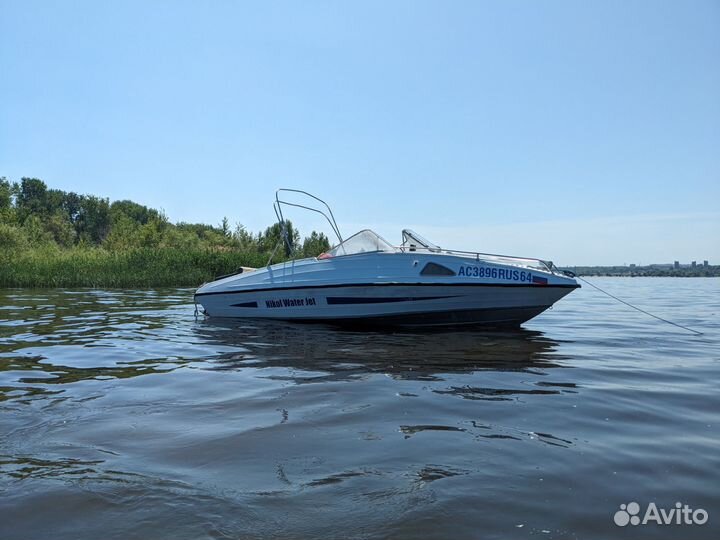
(363, 242)
(413, 241)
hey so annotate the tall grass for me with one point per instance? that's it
(142, 267)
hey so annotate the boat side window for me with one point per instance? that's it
(435, 269)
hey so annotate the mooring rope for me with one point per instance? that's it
(640, 310)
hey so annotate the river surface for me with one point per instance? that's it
(123, 416)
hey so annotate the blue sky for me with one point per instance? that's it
(584, 132)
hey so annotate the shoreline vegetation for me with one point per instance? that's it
(52, 238)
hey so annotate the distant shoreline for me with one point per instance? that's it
(645, 271)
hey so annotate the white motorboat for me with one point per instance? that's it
(364, 279)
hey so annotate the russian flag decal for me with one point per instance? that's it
(539, 280)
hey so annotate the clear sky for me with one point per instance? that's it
(584, 132)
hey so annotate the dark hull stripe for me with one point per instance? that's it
(246, 304)
(379, 300)
(389, 284)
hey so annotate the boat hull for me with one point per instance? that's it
(390, 304)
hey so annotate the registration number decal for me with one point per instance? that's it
(495, 273)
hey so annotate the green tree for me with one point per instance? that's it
(6, 193)
(184, 240)
(54, 201)
(93, 221)
(12, 237)
(7, 210)
(244, 239)
(273, 236)
(61, 228)
(31, 198)
(315, 244)
(124, 233)
(137, 212)
(209, 235)
(35, 231)
(150, 235)
(72, 204)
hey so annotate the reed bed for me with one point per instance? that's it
(97, 267)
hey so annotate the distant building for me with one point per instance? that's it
(676, 265)
(705, 264)
(694, 264)
(632, 266)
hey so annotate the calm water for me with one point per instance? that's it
(123, 416)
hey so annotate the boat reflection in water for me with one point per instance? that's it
(407, 354)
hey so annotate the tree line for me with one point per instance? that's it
(35, 216)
